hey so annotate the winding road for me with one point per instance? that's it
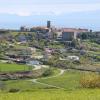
(49, 85)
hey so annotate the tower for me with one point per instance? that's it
(48, 24)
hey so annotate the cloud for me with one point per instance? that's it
(48, 9)
(21, 13)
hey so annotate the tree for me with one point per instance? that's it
(84, 36)
(47, 72)
(75, 43)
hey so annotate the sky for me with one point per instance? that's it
(62, 13)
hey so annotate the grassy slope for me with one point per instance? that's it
(91, 44)
(69, 80)
(32, 91)
(4, 67)
(53, 95)
(27, 85)
(23, 85)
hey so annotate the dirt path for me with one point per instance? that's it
(50, 85)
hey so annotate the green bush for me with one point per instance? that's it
(14, 90)
(47, 72)
(98, 58)
(90, 81)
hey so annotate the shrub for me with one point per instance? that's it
(98, 58)
(47, 72)
(90, 81)
(14, 90)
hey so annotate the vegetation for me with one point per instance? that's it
(5, 67)
(47, 72)
(51, 84)
(53, 95)
(90, 81)
(69, 80)
(27, 85)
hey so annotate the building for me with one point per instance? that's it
(39, 29)
(33, 62)
(74, 58)
(68, 34)
(3, 31)
(49, 35)
(97, 34)
(48, 24)
(24, 29)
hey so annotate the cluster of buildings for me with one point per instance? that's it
(64, 34)
(49, 32)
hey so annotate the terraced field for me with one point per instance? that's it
(4, 67)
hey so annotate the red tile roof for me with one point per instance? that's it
(74, 30)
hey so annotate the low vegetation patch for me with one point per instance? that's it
(14, 90)
(90, 81)
(47, 72)
(5, 67)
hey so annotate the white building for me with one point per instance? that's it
(74, 58)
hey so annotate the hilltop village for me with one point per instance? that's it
(42, 51)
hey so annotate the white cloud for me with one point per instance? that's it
(58, 9)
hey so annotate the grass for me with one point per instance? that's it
(56, 46)
(84, 94)
(26, 85)
(69, 80)
(90, 44)
(23, 85)
(4, 67)
(33, 91)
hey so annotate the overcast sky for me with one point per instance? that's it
(67, 13)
